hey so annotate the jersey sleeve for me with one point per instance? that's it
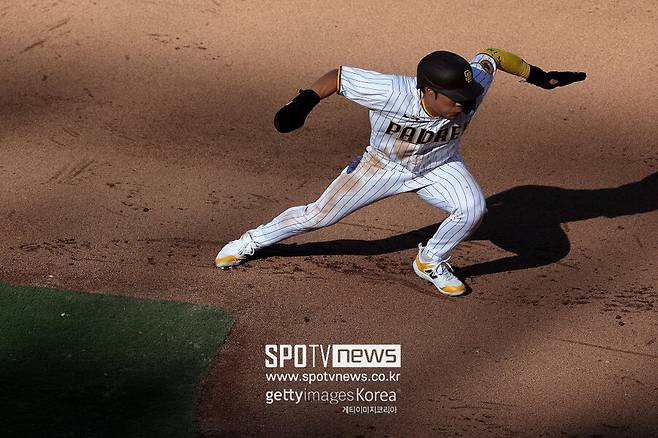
(484, 69)
(368, 88)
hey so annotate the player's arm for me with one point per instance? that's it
(293, 115)
(514, 64)
(327, 84)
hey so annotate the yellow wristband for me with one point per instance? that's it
(509, 62)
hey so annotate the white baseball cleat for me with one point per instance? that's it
(440, 274)
(236, 251)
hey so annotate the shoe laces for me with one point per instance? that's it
(249, 248)
(441, 268)
(444, 268)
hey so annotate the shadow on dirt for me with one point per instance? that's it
(524, 220)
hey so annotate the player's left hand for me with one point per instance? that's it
(554, 79)
(293, 115)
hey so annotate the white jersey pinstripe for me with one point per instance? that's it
(397, 161)
(395, 99)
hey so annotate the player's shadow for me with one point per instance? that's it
(525, 221)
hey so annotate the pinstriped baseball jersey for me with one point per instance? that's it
(409, 151)
(401, 129)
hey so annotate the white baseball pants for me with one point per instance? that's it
(450, 187)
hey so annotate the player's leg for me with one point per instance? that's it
(451, 188)
(362, 183)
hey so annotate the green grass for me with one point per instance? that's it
(82, 365)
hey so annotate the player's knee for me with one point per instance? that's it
(479, 209)
(472, 212)
(313, 218)
(479, 206)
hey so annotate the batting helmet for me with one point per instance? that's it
(449, 74)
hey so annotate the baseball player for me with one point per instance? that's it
(416, 125)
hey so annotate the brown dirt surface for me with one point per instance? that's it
(137, 139)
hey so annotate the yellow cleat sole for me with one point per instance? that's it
(227, 262)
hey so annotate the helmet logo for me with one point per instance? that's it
(469, 76)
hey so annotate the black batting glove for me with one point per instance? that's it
(293, 115)
(553, 79)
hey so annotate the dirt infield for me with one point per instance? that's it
(137, 138)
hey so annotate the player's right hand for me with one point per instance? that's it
(553, 79)
(293, 115)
